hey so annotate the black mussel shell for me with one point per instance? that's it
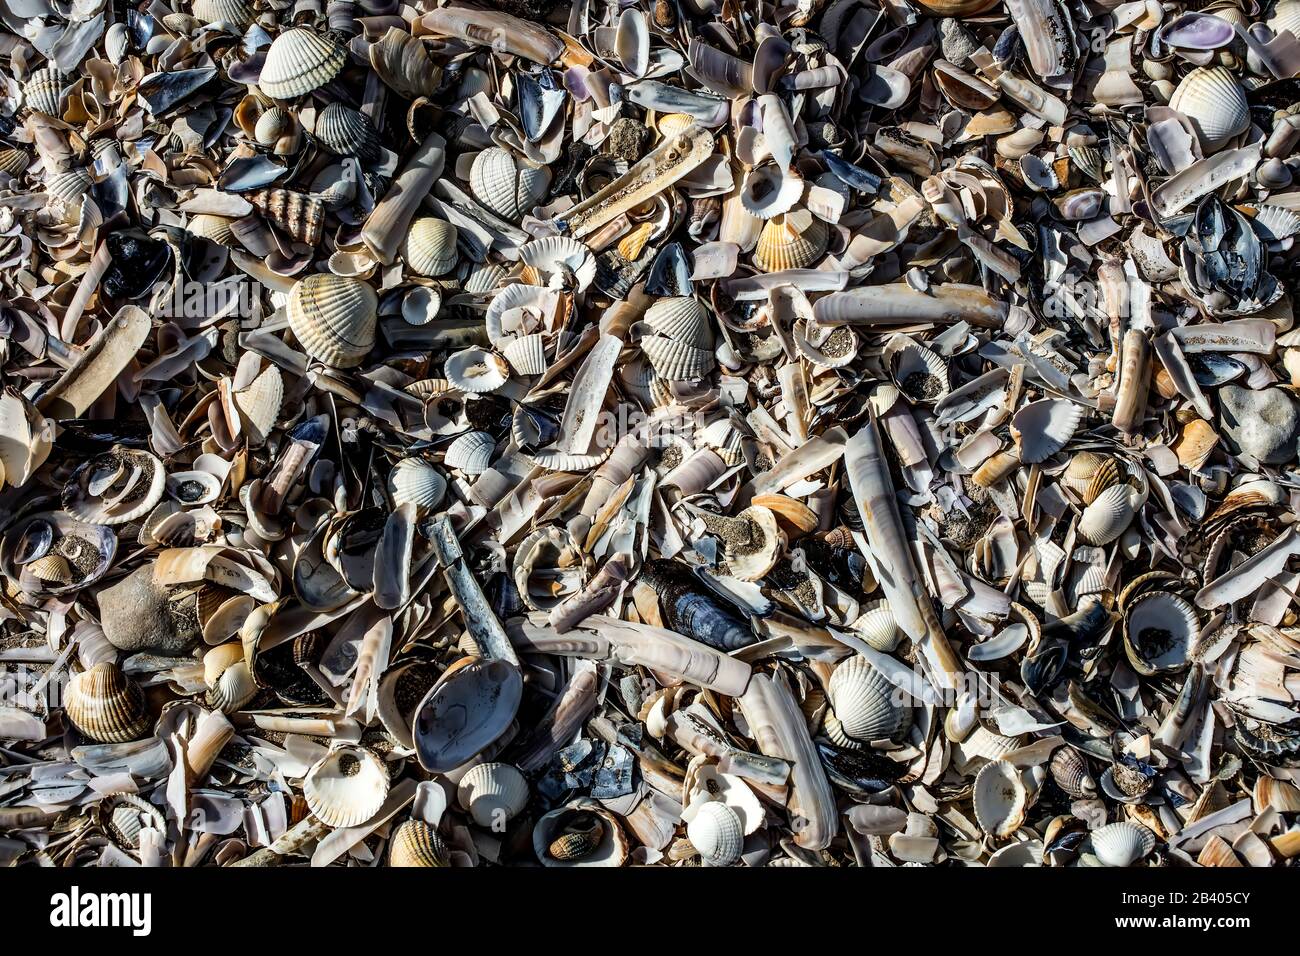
(137, 263)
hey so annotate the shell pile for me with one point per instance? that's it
(660, 433)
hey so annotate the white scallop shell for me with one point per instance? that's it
(506, 186)
(675, 360)
(299, 61)
(717, 833)
(273, 124)
(470, 453)
(1122, 844)
(769, 191)
(878, 627)
(416, 481)
(492, 794)
(213, 228)
(233, 689)
(333, 318)
(259, 403)
(791, 241)
(346, 787)
(43, 90)
(476, 371)
(915, 359)
(1080, 470)
(682, 318)
(556, 255)
(519, 309)
(485, 277)
(430, 247)
(1042, 428)
(1109, 514)
(233, 13)
(527, 354)
(865, 702)
(999, 799)
(1286, 16)
(1214, 103)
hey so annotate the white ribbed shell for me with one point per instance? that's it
(1214, 103)
(470, 453)
(346, 787)
(416, 481)
(492, 793)
(507, 187)
(717, 833)
(1122, 844)
(682, 318)
(864, 701)
(298, 62)
(430, 247)
(333, 317)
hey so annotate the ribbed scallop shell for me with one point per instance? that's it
(783, 245)
(14, 161)
(677, 361)
(213, 228)
(470, 453)
(416, 481)
(43, 90)
(864, 701)
(1108, 474)
(68, 186)
(492, 794)
(674, 124)
(551, 254)
(878, 627)
(300, 215)
(430, 247)
(106, 705)
(1078, 473)
(52, 568)
(1106, 518)
(273, 124)
(527, 354)
(333, 318)
(346, 787)
(682, 318)
(507, 187)
(233, 689)
(921, 374)
(1286, 16)
(717, 833)
(298, 62)
(1042, 428)
(1122, 844)
(1159, 631)
(416, 844)
(999, 799)
(235, 13)
(1070, 771)
(1214, 103)
(485, 278)
(127, 818)
(348, 132)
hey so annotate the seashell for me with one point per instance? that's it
(1089, 160)
(878, 627)
(1070, 771)
(1079, 472)
(675, 360)
(274, 124)
(300, 215)
(43, 91)
(921, 373)
(1278, 795)
(346, 787)
(416, 843)
(213, 228)
(348, 132)
(999, 799)
(508, 187)
(865, 702)
(25, 438)
(259, 404)
(53, 568)
(519, 309)
(68, 187)
(769, 191)
(580, 834)
(717, 834)
(1214, 103)
(234, 688)
(958, 8)
(193, 487)
(791, 241)
(493, 794)
(828, 347)
(1159, 631)
(119, 486)
(333, 318)
(237, 14)
(548, 568)
(14, 161)
(299, 61)
(476, 371)
(682, 318)
(526, 354)
(128, 816)
(1107, 474)
(416, 481)
(430, 247)
(1106, 517)
(558, 258)
(1122, 844)
(470, 453)
(106, 705)
(1042, 428)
